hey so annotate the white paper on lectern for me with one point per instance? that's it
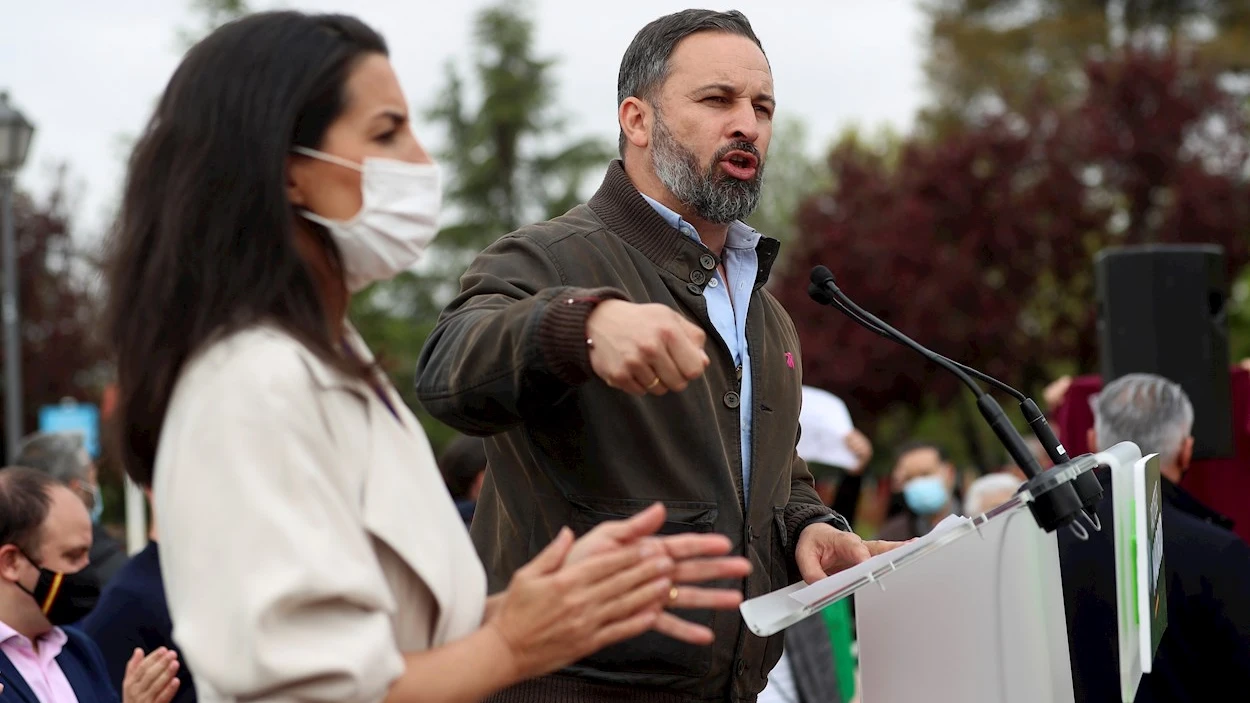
(773, 612)
(825, 424)
(829, 585)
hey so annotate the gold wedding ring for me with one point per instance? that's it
(672, 595)
(653, 383)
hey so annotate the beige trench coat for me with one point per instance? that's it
(306, 537)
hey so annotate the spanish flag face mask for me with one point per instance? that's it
(63, 598)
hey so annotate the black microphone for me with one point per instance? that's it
(1032, 414)
(1088, 489)
(1057, 506)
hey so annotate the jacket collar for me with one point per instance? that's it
(1184, 501)
(1178, 498)
(13, 681)
(621, 208)
(327, 376)
(71, 666)
(77, 676)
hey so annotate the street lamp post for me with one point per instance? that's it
(15, 136)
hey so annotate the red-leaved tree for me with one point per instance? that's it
(980, 245)
(61, 351)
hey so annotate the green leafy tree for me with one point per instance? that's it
(506, 162)
(990, 55)
(1239, 317)
(504, 167)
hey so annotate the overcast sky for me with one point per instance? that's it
(88, 72)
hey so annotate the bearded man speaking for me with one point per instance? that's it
(626, 353)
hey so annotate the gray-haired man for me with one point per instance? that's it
(1205, 651)
(63, 456)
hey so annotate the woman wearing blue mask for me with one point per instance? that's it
(309, 549)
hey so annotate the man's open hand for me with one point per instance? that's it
(824, 550)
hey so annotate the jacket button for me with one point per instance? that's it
(732, 400)
(694, 288)
(707, 262)
(697, 276)
(741, 667)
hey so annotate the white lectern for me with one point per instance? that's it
(972, 612)
(978, 618)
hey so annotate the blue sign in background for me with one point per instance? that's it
(74, 417)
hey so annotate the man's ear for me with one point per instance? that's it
(1091, 439)
(10, 562)
(636, 117)
(1185, 456)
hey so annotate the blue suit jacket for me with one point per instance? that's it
(82, 664)
(132, 612)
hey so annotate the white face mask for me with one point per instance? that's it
(398, 218)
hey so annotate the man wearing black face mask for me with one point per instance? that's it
(62, 456)
(45, 540)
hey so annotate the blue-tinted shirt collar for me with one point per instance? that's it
(740, 235)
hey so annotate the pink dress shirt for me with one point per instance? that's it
(39, 669)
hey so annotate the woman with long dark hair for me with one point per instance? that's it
(308, 547)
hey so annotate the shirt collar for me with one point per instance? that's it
(7, 633)
(55, 637)
(740, 235)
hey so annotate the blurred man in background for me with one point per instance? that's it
(463, 466)
(989, 492)
(1039, 453)
(62, 456)
(1204, 654)
(134, 613)
(925, 477)
(45, 540)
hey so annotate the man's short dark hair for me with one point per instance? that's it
(460, 463)
(24, 502)
(645, 66)
(917, 444)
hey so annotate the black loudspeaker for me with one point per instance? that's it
(1162, 310)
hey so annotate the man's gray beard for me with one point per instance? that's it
(714, 196)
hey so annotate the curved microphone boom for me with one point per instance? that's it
(1032, 414)
(1061, 504)
(822, 296)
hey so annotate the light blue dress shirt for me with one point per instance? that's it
(728, 311)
